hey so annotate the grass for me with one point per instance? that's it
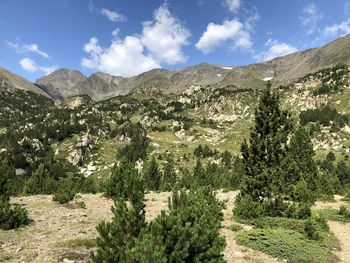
(236, 227)
(332, 214)
(79, 242)
(286, 238)
(7, 256)
(285, 244)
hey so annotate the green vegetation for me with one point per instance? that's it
(285, 244)
(10, 216)
(325, 116)
(188, 233)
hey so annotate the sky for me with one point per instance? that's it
(128, 37)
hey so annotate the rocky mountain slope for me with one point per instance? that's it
(282, 70)
(60, 84)
(10, 81)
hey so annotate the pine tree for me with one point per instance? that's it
(199, 173)
(342, 171)
(190, 231)
(7, 172)
(301, 157)
(266, 149)
(40, 182)
(169, 175)
(117, 237)
(15, 216)
(152, 175)
(119, 182)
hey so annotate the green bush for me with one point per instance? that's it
(12, 217)
(65, 192)
(332, 214)
(310, 229)
(285, 245)
(246, 208)
(40, 182)
(343, 211)
(236, 228)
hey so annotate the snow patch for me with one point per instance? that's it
(267, 78)
(227, 68)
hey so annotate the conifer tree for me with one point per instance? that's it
(266, 149)
(120, 180)
(169, 175)
(118, 236)
(152, 175)
(190, 232)
(10, 216)
(40, 182)
(300, 160)
(199, 173)
(7, 172)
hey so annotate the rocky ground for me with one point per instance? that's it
(65, 233)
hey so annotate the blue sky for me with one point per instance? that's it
(128, 37)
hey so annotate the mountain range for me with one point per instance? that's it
(65, 83)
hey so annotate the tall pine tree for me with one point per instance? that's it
(263, 155)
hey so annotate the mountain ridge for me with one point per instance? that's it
(64, 83)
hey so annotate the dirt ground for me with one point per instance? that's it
(59, 232)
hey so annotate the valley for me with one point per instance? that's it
(71, 144)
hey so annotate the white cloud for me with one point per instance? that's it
(233, 5)
(275, 49)
(27, 48)
(218, 34)
(123, 57)
(113, 16)
(165, 36)
(342, 28)
(30, 65)
(161, 41)
(309, 17)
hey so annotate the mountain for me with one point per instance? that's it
(283, 70)
(10, 81)
(101, 86)
(61, 83)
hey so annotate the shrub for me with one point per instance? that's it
(246, 208)
(12, 217)
(343, 211)
(40, 182)
(236, 228)
(121, 180)
(310, 230)
(65, 192)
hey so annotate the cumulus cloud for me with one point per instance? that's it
(27, 48)
(112, 15)
(233, 5)
(161, 41)
(123, 57)
(309, 17)
(165, 36)
(217, 34)
(275, 49)
(30, 65)
(342, 28)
